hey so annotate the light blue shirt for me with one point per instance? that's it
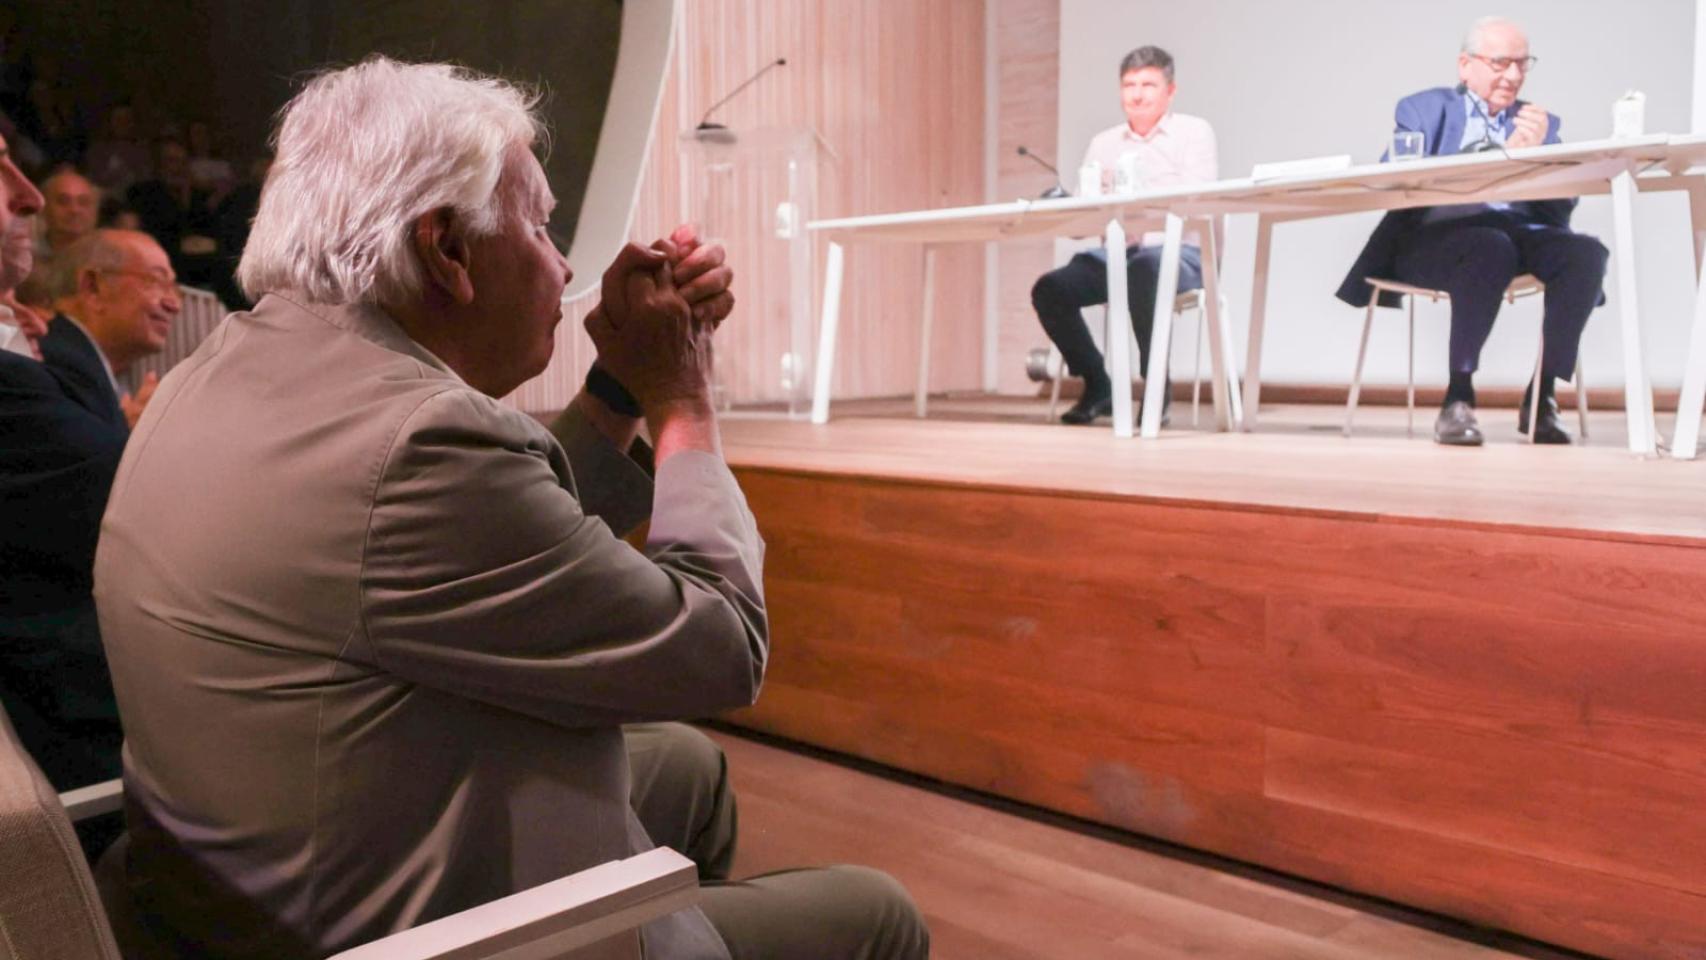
(1476, 129)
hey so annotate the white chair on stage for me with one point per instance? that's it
(1184, 303)
(1526, 285)
(50, 908)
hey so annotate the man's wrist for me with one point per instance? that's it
(611, 392)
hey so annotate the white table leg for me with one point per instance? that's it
(1161, 336)
(1691, 405)
(1227, 410)
(1258, 316)
(921, 395)
(1115, 338)
(826, 334)
(1637, 394)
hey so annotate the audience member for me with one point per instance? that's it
(120, 158)
(405, 603)
(69, 216)
(1473, 251)
(208, 171)
(51, 115)
(180, 215)
(1169, 149)
(63, 432)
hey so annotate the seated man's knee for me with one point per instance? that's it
(877, 902)
(1047, 298)
(1590, 256)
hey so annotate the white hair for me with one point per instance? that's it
(361, 154)
(1478, 30)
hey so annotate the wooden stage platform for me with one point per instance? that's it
(1470, 681)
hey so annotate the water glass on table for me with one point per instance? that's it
(1406, 145)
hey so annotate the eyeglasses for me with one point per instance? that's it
(1501, 64)
(156, 280)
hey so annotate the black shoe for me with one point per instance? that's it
(1088, 408)
(1548, 427)
(1456, 426)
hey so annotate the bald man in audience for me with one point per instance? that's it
(375, 635)
(72, 203)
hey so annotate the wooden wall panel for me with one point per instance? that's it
(1496, 724)
(1028, 95)
(897, 90)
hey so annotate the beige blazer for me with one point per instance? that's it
(372, 637)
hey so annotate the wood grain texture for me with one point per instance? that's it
(897, 90)
(1500, 722)
(1028, 94)
(993, 884)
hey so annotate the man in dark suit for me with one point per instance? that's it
(63, 425)
(1473, 251)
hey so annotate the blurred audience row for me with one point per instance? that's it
(166, 179)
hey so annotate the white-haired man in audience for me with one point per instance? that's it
(374, 634)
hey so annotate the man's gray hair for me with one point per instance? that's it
(361, 154)
(1478, 29)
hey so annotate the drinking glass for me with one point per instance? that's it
(1406, 145)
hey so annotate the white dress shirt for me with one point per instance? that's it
(1179, 151)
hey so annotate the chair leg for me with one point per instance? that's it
(1058, 362)
(1196, 369)
(1534, 390)
(1356, 377)
(1410, 391)
(1581, 400)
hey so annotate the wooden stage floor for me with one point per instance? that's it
(1469, 681)
(1297, 460)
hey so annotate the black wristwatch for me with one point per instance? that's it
(607, 388)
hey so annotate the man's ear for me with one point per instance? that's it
(89, 281)
(442, 248)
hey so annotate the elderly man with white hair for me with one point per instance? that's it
(1473, 251)
(375, 635)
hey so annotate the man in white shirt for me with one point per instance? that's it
(1171, 149)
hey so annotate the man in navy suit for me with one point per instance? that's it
(1474, 250)
(63, 425)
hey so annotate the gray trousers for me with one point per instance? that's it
(682, 795)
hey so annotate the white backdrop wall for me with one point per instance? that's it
(1304, 78)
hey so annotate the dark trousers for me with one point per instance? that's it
(1475, 258)
(1060, 296)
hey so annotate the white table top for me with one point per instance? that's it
(1559, 170)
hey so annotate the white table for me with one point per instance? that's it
(1071, 216)
(1536, 173)
(1687, 154)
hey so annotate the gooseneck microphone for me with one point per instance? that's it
(705, 123)
(1486, 142)
(1054, 192)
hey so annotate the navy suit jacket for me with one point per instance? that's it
(1438, 115)
(63, 432)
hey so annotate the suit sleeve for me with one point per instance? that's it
(483, 576)
(611, 485)
(55, 477)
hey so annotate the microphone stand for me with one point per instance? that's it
(706, 130)
(1052, 193)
